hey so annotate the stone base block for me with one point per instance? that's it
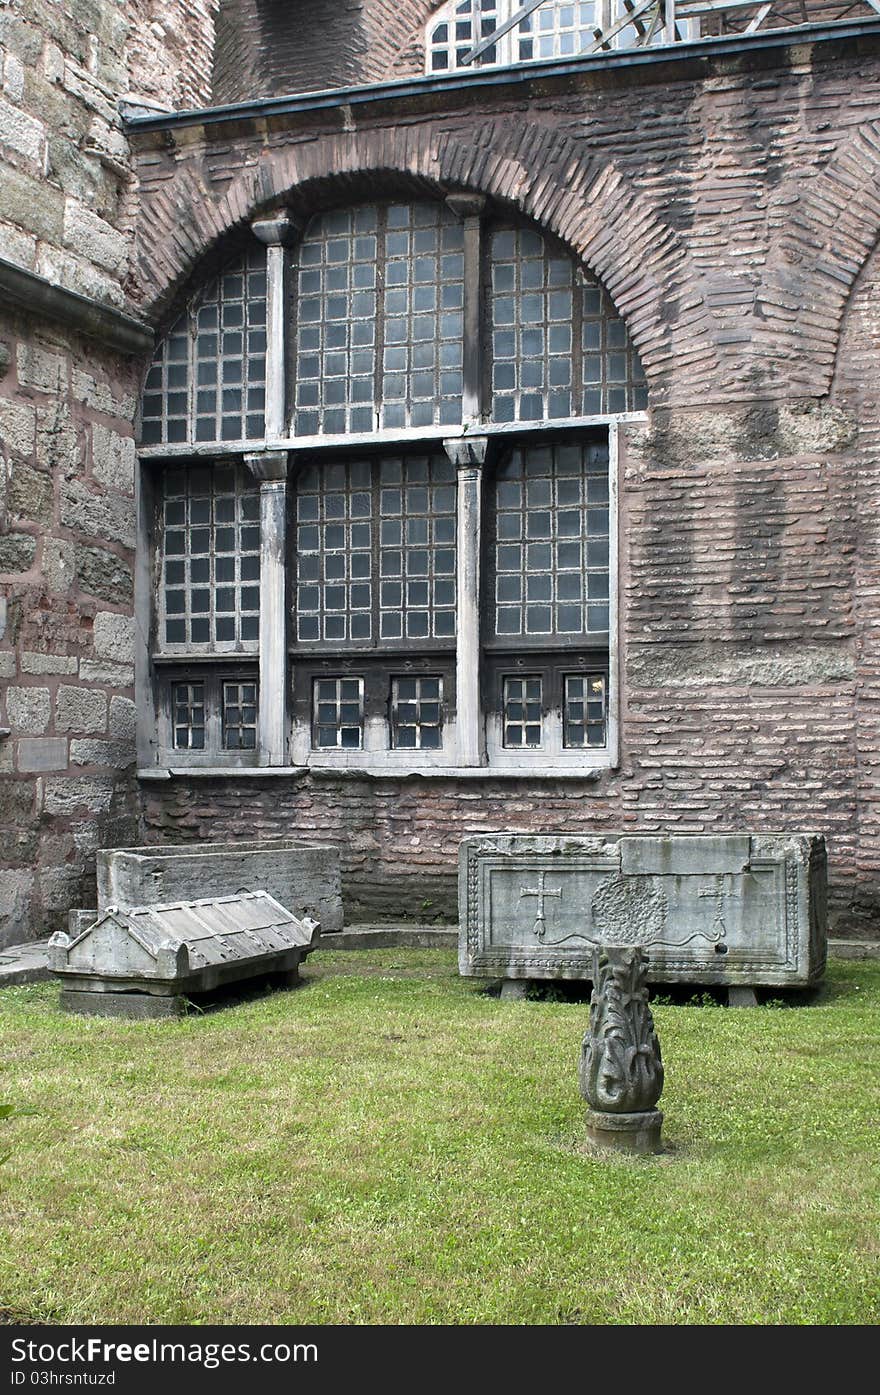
(626, 1133)
(135, 1005)
(515, 988)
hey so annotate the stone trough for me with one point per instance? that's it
(147, 961)
(306, 880)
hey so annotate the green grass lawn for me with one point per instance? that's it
(391, 1144)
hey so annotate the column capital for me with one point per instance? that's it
(467, 452)
(466, 205)
(278, 229)
(268, 467)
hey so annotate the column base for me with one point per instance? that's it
(625, 1133)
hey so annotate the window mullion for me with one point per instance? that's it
(468, 457)
(470, 209)
(270, 469)
(277, 234)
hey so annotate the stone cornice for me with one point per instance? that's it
(33, 295)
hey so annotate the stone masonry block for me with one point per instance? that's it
(80, 709)
(32, 204)
(75, 794)
(17, 552)
(13, 78)
(116, 755)
(92, 393)
(8, 665)
(16, 890)
(29, 493)
(22, 133)
(123, 719)
(47, 663)
(102, 573)
(113, 459)
(114, 637)
(59, 886)
(18, 427)
(97, 515)
(29, 709)
(58, 565)
(108, 674)
(37, 754)
(89, 236)
(41, 368)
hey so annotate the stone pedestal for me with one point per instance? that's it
(626, 1133)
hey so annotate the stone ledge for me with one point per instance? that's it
(391, 937)
(34, 295)
(854, 949)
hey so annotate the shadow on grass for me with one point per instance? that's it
(682, 994)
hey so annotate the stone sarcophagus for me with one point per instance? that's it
(145, 961)
(306, 880)
(725, 909)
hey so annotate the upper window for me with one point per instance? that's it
(437, 583)
(479, 33)
(208, 379)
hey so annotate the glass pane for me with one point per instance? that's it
(558, 583)
(219, 340)
(416, 713)
(338, 713)
(208, 560)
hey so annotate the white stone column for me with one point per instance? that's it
(277, 233)
(470, 208)
(270, 468)
(468, 455)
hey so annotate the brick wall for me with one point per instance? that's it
(738, 693)
(729, 215)
(270, 48)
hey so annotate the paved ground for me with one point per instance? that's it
(27, 963)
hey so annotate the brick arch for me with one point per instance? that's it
(831, 225)
(588, 204)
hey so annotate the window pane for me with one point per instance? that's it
(188, 716)
(338, 714)
(416, 714)
(211, 563)
(398, 266)
(585, 710)
(208, 378)
(422, 604)
(240, 716)
(557, 584)
(334, 551)
(532, 297)
(522, 710)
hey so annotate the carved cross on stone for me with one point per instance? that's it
(541, 892)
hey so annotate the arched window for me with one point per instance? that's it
(379, 458)
(485, 33)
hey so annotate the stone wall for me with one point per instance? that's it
(67, 521)
(67, 406)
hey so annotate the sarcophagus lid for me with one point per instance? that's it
(185, 946)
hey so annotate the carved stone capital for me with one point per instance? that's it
(268, 467)
(467, 452)
(279, 230)
(467, 205)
